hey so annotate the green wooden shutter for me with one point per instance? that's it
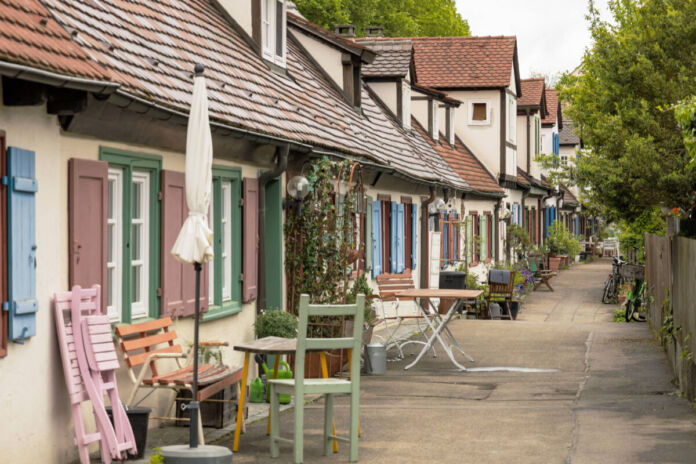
(483, 250)
(469, 238)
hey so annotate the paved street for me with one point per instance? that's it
(610, 400)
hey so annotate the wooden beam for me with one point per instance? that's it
(17, 92)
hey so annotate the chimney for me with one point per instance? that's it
(374, 31)
(345, 30)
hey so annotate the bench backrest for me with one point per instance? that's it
(138, 341)
(391, 284)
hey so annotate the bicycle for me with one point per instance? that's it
(611, 285)
(635, 301)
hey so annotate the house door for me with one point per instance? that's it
(274, 245)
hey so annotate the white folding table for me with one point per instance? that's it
(438, 323)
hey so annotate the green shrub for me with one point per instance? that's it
(561, 241)
(276, 323)
(361, 286)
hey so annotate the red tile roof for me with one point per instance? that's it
(464, 62)
(30, 36)
(150, 49)
(552, 104)
(393, 58)
(532, 92)
(522, 178)
(464, 163)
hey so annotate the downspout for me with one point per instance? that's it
(264, 179)
(425, 240)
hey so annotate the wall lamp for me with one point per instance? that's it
(298, 189)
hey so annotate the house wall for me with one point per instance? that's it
(21, 384)
(483, 140)
(328, 57)
(547, 132)
(387, 92)
(535, 170)
(240, 10)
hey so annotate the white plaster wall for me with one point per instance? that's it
(386, 91)
(328, 57)
(547, 138)
(419, 110)
(511, 161)
(522, 146)
(484, 141)
(240, 10)
(535, 165)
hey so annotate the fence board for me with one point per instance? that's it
(658, 264)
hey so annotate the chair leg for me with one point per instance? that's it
(328, 423)
(299, 430)
(354, 425)
(275, 424)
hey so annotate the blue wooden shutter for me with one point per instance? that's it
(376, 238)
(414, 230)
(400, 239)
(393, 230)
(21, 247)
(443, 235)
(455, 252)
(368, 234)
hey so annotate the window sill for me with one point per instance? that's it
(479, 123)
(218, 312)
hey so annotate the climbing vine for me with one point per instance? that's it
(321, 235)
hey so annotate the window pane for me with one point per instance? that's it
(137, 240)
(137, 192)
(279, 29)
(479, 112)
(110, 241)
(110, 211)
(109, 287)
(135, 284)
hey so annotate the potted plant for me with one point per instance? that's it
(275, 323)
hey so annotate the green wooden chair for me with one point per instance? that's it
(299, 386)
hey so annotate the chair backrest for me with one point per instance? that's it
(354, 343)
(138, 341)
(391, 284)
(500, 289)
(537, 261)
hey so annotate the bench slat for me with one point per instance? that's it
(152, 340)
(149, 326)
(142, 357)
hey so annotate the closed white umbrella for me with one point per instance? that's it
(194, 243)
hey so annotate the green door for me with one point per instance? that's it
(274, 245)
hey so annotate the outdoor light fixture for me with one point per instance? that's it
(438, 207)
(298, 187)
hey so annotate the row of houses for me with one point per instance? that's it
(95, 96)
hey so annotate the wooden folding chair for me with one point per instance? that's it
(299, 386)
(146, 343)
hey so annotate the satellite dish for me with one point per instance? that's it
(298, 187)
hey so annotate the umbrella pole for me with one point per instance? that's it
(194, 405)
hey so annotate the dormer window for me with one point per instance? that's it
(433, 122)
(273, 31)
(405, 105)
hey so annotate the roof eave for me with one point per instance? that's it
(30, 73)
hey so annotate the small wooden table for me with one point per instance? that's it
(267, 345)
(423, 295)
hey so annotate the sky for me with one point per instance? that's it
(551, 34)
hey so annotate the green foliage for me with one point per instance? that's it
(633, 233)
(518, 239)
(157, 458)
(362, 286)
(620, 314)
(400, 18)
(561, 241)
(685, 114)
(641, 62)
(276, 323)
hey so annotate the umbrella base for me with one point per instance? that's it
(205, 454)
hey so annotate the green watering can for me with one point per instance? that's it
(284, 372)
(256, 391)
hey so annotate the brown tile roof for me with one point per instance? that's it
(532, 92)
(464, 163)
(150, 49)
(349, 45)
(568, 197)
(393, 58)
(553, 106)
(464, 62)
(30, 36)
(522, 178)
(568, 134)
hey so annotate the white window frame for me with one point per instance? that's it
(564, 159)
(406, 104)
(139, 309)
(269, 29)
(226, 221)
(511, 119)
(450, 129)
(436, 119)
(115, 309)
(470, 116)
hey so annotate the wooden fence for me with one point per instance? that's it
(670, 274)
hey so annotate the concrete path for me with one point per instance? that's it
(608, 400)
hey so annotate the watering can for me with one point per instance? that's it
(256, 391)
(284, 372)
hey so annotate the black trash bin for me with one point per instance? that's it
(138, 418)
(453, 280)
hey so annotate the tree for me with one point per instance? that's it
(400, 18)
(640, 65)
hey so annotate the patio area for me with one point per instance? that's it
(607, 400)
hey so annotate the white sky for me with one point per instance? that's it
(551, 34)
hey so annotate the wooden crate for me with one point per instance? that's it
(218, 413)
(632, 271)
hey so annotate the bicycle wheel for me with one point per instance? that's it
(608, 290)
(630, 308)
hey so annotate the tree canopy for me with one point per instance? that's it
(400, 18)
(640, 66)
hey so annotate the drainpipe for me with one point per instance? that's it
(425, 240)
(265, 178)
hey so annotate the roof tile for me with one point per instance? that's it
(552, 104)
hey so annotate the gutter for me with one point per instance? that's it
(264, 179)
(18, 71)
(425, 240)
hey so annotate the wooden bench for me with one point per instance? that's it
(146, 343)
(542, 275)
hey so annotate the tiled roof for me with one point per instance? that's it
(150, 49)
(567, 134)
(464, 163)
(532, 92)
(568, 197)
(30, 36)
(393, 58)
(522, 178)
(552, 105)
(464, 62)
(346, 44)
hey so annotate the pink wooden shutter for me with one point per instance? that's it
(87, 228)
(250, 239)
(178, 279)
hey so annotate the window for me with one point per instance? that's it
(537, 136)
(133, 235)
(225, 218)
(479, 113)
(564, 160)
(406, 104)
(273, 30)
(511, 119)
(393, 236)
